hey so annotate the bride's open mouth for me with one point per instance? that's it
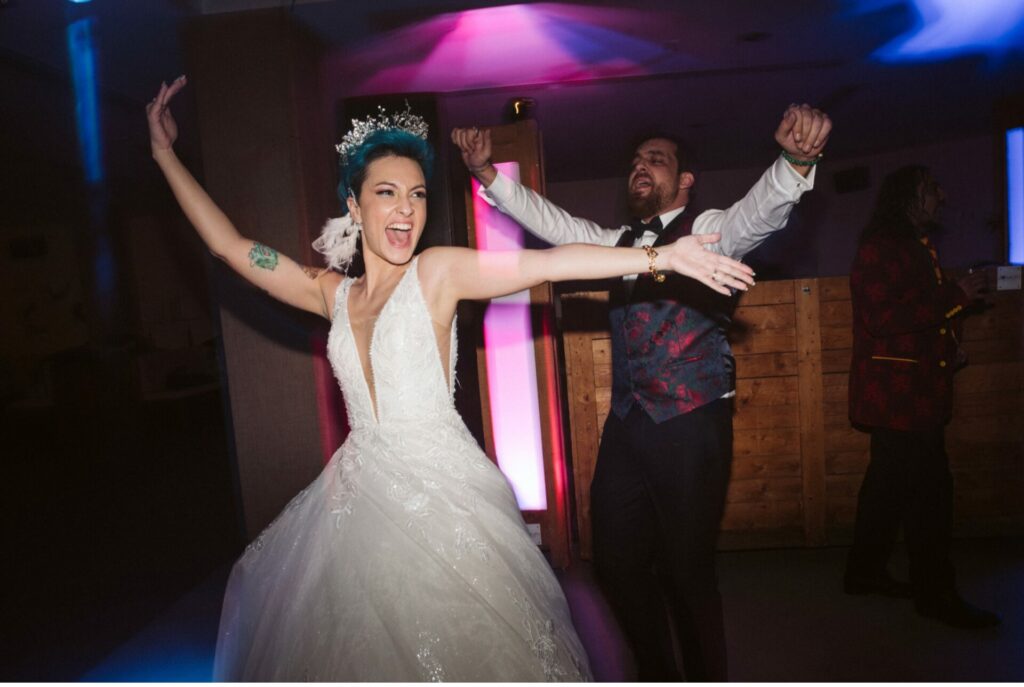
(399, 234)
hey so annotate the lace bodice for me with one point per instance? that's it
(408, 376)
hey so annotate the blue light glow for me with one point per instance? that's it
(1015, 193)
(83, 75)
(104, 271)
(948, 28)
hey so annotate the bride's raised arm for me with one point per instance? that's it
(284, 279)
(479, 275)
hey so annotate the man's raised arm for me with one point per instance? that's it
(530, 209)
(802, 135)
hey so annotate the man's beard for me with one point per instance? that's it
(649, 205)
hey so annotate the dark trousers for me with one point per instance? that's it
(656, 505)
(907, 482)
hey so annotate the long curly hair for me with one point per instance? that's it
(898, 204)
(339, 239)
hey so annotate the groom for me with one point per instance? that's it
(663, 465)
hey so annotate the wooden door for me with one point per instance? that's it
(517, 150)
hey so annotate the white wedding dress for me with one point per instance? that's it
(407, 558)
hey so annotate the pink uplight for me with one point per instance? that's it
(489, 47)
(511, 365)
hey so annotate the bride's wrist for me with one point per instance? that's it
(656, 262)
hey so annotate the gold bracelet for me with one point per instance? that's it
(651, 255)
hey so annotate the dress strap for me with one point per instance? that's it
(340, 295)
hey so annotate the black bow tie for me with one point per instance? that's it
(637, 227)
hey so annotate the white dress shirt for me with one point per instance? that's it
(744, 225)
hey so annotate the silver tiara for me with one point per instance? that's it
(361, 129)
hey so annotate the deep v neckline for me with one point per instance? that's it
(371, 398)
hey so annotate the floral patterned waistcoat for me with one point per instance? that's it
(669, 350)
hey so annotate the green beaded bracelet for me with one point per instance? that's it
(801, 163)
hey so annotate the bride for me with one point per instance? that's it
(407, 558)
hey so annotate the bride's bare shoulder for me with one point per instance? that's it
(329, 281)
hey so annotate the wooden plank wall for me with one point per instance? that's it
(797, 462)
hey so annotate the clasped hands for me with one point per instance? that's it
(803, 133)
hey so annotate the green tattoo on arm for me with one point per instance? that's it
(262, 256)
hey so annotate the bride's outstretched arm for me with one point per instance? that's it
(470, 274)
(284, 279)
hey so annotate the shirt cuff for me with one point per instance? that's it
(790, 180)
(499, 192)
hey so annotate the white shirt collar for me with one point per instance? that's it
(671, 215)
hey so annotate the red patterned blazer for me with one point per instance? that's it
(904, 344)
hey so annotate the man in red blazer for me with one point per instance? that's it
(905, 351)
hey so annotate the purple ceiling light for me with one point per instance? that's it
(949, 28)
(510, 45)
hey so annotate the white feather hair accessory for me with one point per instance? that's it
(337, 242)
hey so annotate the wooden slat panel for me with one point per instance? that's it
(762, 317)
(766, 364)
(603, 405)
(836, 314)
(836, 360)
(845, 439)
(848, 462)
(777, 465)
(970, 455)
(992, 350)
(602, 351)
(843, 486)
(834, 288)
(768, 293)
(836, 337)
(766, 342)
(764, 442)
(754, 417)
(841, 511)
(772, 489)
(585, 429)
(781, 431)
(994, 377)
(766, 515)
(997, 322)
(836, 415)
(985, 430)
(812, 443)
(835, 386)
(767, 391)
(1006, 403)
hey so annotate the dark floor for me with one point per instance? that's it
(111, 512)
(120, 531)
(786, 620)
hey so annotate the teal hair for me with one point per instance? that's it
(382, 143)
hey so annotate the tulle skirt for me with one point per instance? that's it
(405, 560)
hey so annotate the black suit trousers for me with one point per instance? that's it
(656, 505)
(907, 483)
